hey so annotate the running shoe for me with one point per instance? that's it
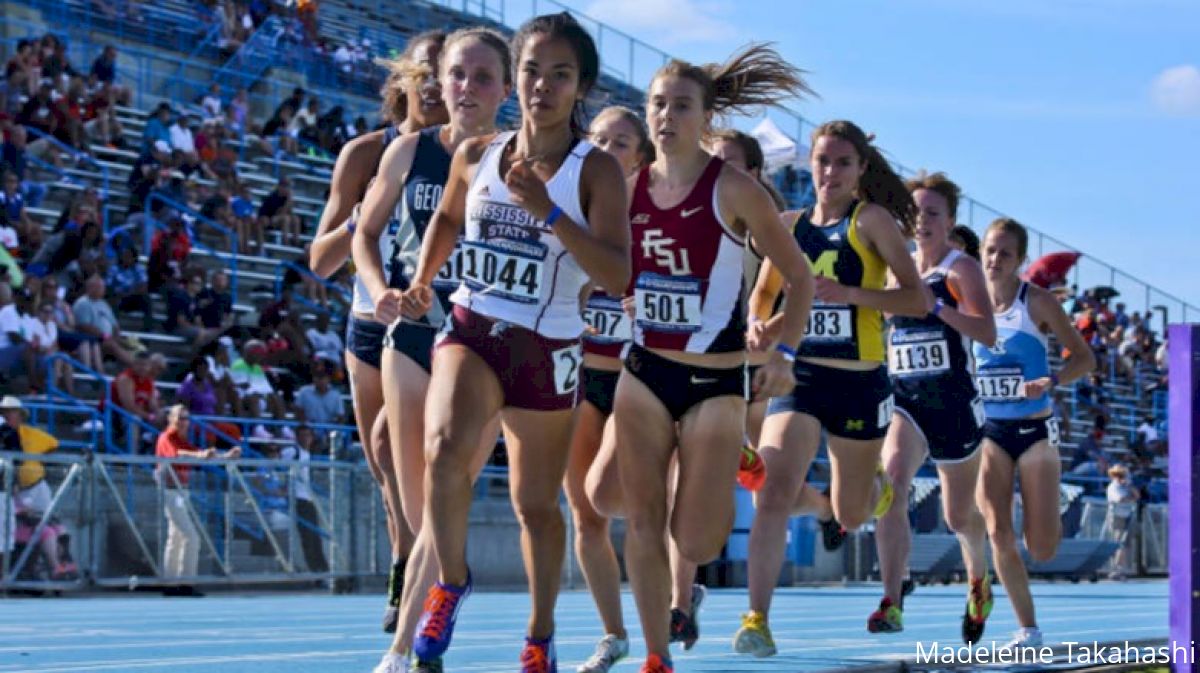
(656, 664)
(431, 666)
(752, 471)
(886, 492)
(538, 656)
(609, 651)
(906, 588)
(436, 627)
(754, 637)
(392, 663)
(685, 628)
(979, 606)
(833, 536)
(1026, 636)
(889, 618)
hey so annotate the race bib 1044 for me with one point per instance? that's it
(506, 268)
(668, 303)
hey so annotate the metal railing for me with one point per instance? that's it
(303, 271)
(75, 154)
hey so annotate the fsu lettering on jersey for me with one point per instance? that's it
(687, 271)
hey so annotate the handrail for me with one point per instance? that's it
(240, 421)
(150, 221)
(77, 155)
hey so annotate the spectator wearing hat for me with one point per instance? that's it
(33, 497)
(181, 556)
(1122, 498)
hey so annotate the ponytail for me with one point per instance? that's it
(879, 184)
(754, 77)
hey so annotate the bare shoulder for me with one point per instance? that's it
(600, 165)
(472, 149)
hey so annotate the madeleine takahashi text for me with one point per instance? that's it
(1093, 653)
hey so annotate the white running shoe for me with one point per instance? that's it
(609, 651)
(392, 663)
(1026, 636)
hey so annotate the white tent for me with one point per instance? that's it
(778, 148)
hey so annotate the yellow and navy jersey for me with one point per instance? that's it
(842, 331)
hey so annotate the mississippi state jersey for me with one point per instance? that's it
(687, 271)
(513, 266)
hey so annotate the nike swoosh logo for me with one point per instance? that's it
(689, 213)
(1026, 431)
(700, 382)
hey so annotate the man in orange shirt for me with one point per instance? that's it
(181, 557)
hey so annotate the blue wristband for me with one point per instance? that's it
(350, 225)
(938, 306)
(555, 212)
(789, 353)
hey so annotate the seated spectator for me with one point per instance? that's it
(34, 497)
(44, 115)
(198, 392)
(211, 103)
(134, 391)
(128, 289)
(181, 556)
(215, 304)
(55, 63)
(14, 158)
(100, 118)
(13, 202)
(169, 251)
(158, 127)
(61, 252)
(276, 213)
(255, 390)
(219, 360)
(249, 228)
(277, 129)
(304, 123)
(14, 347)
(150, 172)
(10, 240)
(308, 518)
(325, 342)
(239, 108)
(70, 340)
(1147, 437)
(42, 333)
(1090, 459)
(1090, 394)
(94, 316)
(270, 490)
(320, 403)
(183, 317)
(91, 259)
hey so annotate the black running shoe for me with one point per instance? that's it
(685, 628)
(833, 536)
(906, 588)
(395, 589)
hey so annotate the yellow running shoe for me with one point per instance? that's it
(886, 492)
(754, 637)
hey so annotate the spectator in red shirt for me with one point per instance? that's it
(181, 556)
(169, 251)
(133, 390)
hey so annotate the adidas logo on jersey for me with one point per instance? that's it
(836, 236)
(640, 218)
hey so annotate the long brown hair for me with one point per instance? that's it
(754, 77)
(394, 108)
(879, 184)
(939, 184)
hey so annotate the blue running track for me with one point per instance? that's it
(816, 629)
